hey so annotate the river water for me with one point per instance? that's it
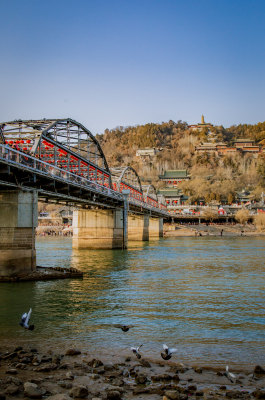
(205, 296)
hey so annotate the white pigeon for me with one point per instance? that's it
(229, 375)
(135, 350)
(168, 352)
(25, 320)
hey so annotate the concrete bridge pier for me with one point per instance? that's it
(99, 229)
(18, 219)
(138, 227)
(155, 228)
(144, 227)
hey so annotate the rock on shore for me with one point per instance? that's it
(66, 375)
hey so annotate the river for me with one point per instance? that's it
(205, 296)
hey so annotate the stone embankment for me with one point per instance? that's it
(71, 374)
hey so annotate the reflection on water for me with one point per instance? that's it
(203, 295)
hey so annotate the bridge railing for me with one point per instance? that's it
(15, 157)
(147, 206)
(28, 162)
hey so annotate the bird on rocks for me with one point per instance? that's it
(229, 375)
(25, 321)
(135, 350)
(168, 352)
(124, 328)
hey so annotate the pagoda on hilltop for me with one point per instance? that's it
(201, 125)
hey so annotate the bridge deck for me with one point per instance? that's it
(20, 170)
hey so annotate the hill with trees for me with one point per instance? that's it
(212, 177)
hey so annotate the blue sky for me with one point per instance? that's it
(120, 62)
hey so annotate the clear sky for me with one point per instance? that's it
(125, 62)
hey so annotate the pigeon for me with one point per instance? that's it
(168, 352)
(25, 321)
(229, 375)
(124, 328)
(135, 350)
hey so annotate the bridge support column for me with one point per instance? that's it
(155, 228)
(98, 229)
(144, 228)
(138, 227)
(18, 219)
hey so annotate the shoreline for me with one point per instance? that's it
(68, 369)
(221, 230)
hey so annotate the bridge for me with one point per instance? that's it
(59, 160)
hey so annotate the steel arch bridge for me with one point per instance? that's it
(63, 160)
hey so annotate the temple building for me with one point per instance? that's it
(174, 176)
(174, 197)
(201, 125)
(241, 146)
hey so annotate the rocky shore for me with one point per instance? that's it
(27, 372)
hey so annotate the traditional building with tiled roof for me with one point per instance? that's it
(174, 197)
(174, 176)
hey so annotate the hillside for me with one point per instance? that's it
(213, 177)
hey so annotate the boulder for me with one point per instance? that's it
(46, 368)
(79, 391)
(56, 359)
(72, 352)
(11, 371)
(140, 379)
(118, 382)
(259, 394)
(65, 385)
(113, 395)
(94, 363)
(94, 376)
(172, 394)
(32, 390)
(161, 377)
(15, 380)
(59, 396)
(12, 389)
(234, 394)
(69, 375)
(192, 388)
(145, 363)
(258, 370)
